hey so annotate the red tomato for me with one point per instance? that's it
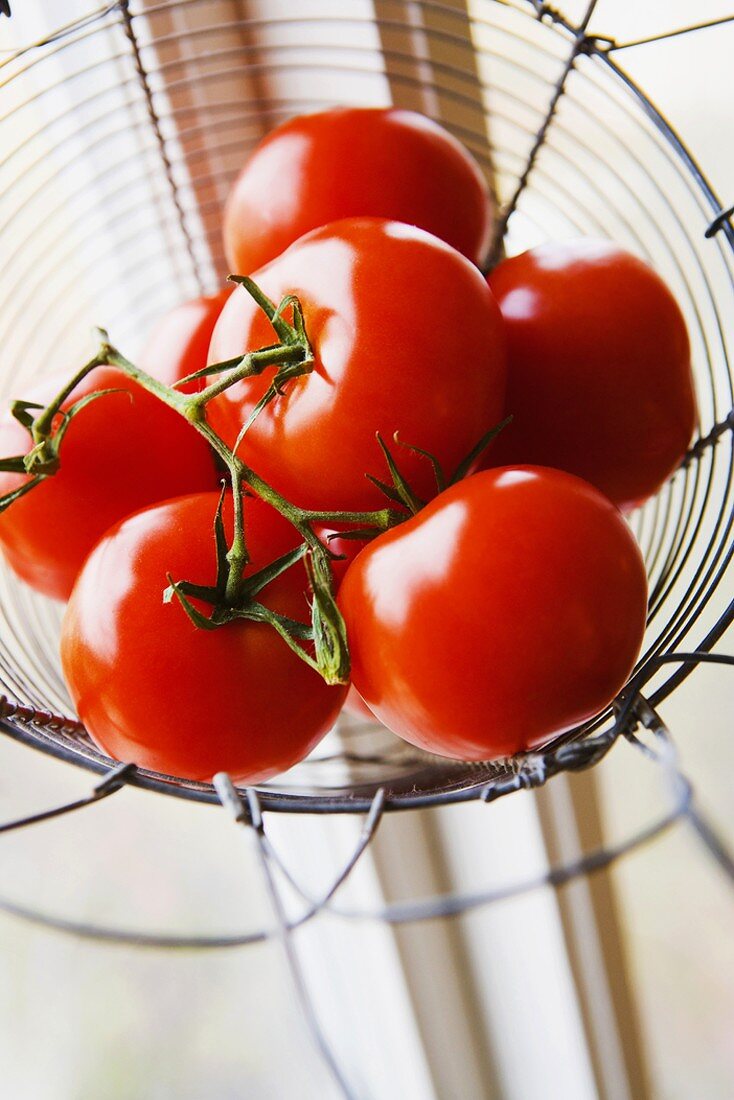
(179, 343)
(352, 162)
(123, 451)
(153, 688)
(599, 378)
(406, 336)
(510, 609)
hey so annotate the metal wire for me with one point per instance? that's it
(533, 771)
(530, 771)
(147, 228)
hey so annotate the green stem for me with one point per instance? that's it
(212, 368)
(237, 556)
(194, 409)
(178, 401)
(254, 363)
(285, 629)
(380, 519)
(285, 332)
(301, 518)
(43, 423)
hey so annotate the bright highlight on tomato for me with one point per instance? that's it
(510, 609)
(355, 162)
(599, 368)
(154, 689)
(406, 338)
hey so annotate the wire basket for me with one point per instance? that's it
(122, 132)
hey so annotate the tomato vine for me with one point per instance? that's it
(234, 596)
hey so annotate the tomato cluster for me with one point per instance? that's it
(423, 472)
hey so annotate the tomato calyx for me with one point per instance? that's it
(402, 494)
(224, 610)
(292, 355)
(326, 631)
(399, 492)
(43, 459)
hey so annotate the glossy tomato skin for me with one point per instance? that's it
(123, 451)
(599, 375)
(355, 162)
(406, 336)
(510, 609)
(152, 688)
(179, 343)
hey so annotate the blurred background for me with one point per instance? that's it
(619, 986)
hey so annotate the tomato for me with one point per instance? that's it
(406, 337)
(510, 609)
(153, 688)
(599, 377)
(352, 162)
(179, 343)
(121, 452)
